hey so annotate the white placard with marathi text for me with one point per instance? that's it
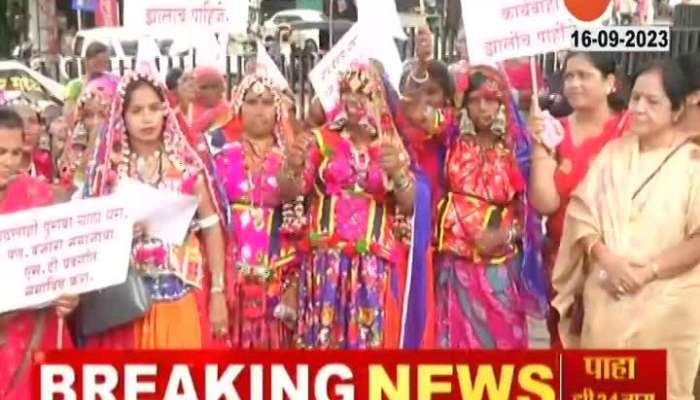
(265, 66)
(74, 248)
(498, 30)
(326, 74)
(229, 16)
(166, 214)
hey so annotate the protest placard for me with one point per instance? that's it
(382, 16)
(265, 66)
(230, 16)
(326, 74)
(71, 248)
(364, 41)
(167, 214)
(497, 30)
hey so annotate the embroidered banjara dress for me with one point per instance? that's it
(478, 300)
(482, 300)
(173, 275)
(351, 283)
(265, 260)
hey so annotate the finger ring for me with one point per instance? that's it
(621, 289)
(603, 275)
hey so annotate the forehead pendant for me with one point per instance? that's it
(258, 88)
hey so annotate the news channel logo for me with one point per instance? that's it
(587, 10)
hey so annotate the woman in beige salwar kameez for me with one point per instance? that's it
(630, 245)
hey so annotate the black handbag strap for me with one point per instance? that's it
(656, 171)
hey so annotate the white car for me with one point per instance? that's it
(122, 44)
(283, 19)
(15, 76)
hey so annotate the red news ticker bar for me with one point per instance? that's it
(346, 375)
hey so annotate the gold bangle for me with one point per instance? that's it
(402, 183)
(216, 289)
(406, 187)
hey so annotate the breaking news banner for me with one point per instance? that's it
(622, 38)
(346, 375)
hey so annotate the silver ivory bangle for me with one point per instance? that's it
(208, 222)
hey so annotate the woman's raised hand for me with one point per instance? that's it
(66, 304)
(537, 121)
(140, 230)
(297, 152)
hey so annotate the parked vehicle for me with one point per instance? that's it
(175, 49)
(17, 77)
(285, 20)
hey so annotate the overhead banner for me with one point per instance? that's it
(181, 15)
(498, 30)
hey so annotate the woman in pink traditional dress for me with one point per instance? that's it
(144, 142)
(357, 172)
(264, 259)
(91, 112)
(24, 331)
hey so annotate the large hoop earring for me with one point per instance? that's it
(466, 125)
(499, 124)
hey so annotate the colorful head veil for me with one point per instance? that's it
(102, 90)
(112, 150)
(258, 84)
(510, 125)
(362, 79)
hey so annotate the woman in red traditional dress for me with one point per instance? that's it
(485, 232)
(24, 331)
(557, 168)
(36, 161)
(427, 84)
